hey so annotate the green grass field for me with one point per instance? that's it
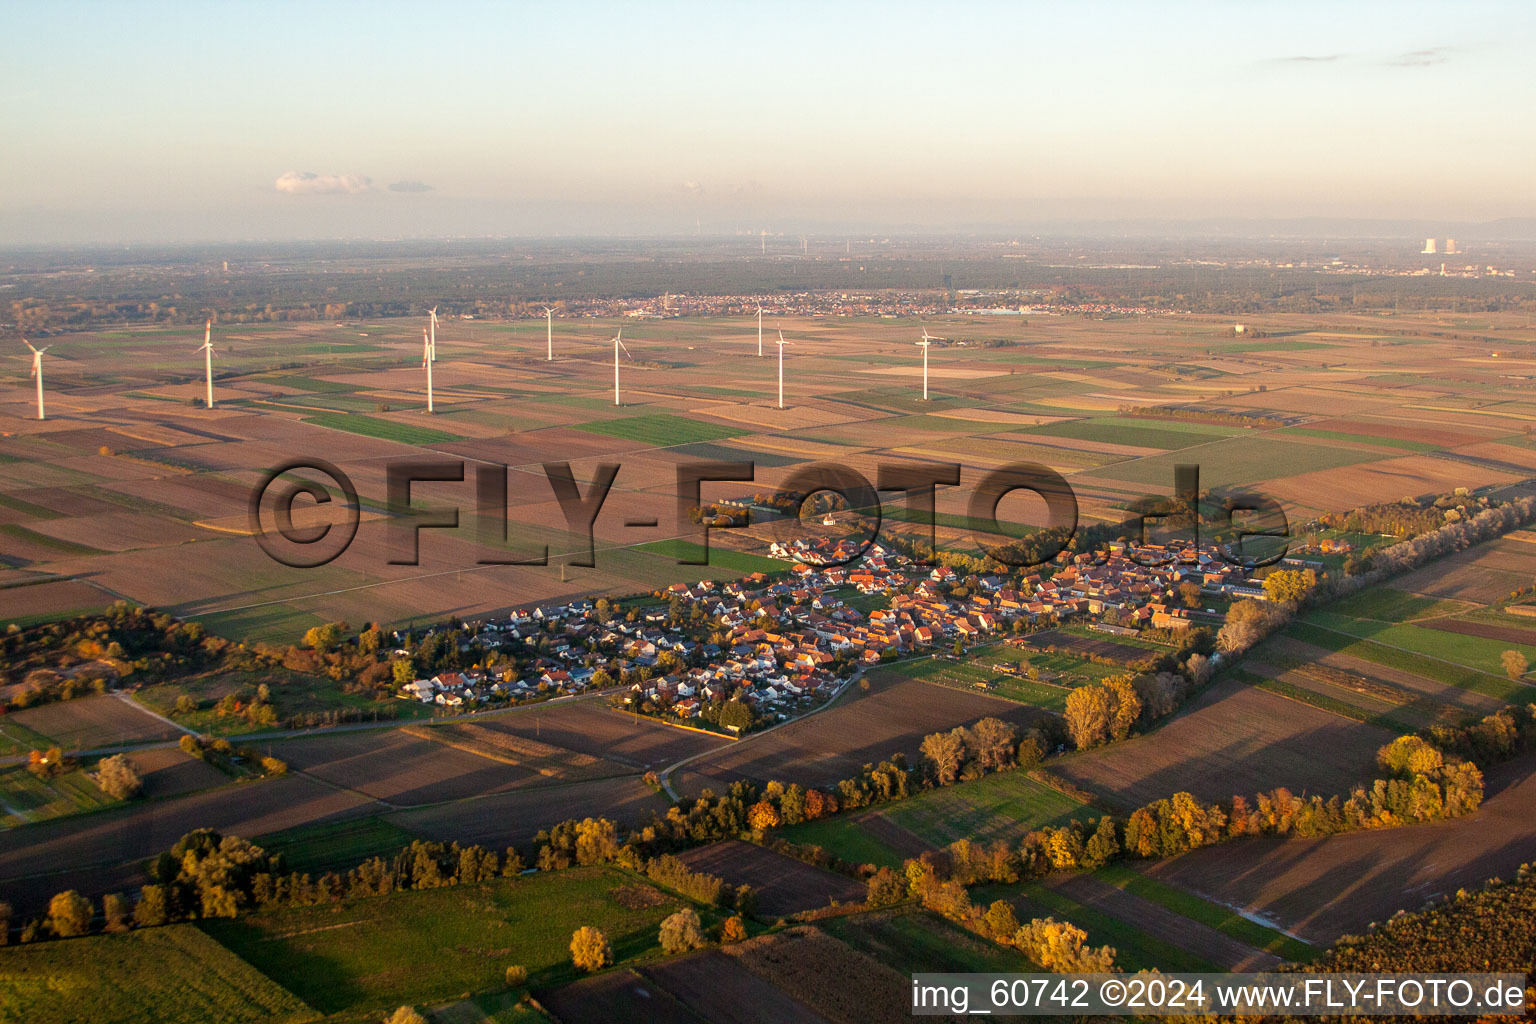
(842, 837)
(274, 623)
(1241, 460)
(174, 975)
(311, 384)
(16, 531)
(1388, 605)
(16, 738)
(336, 846)
(967, 676)
(1502, 687)
(388, 430)
(1380, 442)
(1228, 922)
(660, 429)
(915, 941)
(369, 956)
(1135, 950)
(1474, 652)
(977, 668)
(1003, 806)
(1130, 430)
(740, 562)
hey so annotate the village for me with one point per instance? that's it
(735, 656)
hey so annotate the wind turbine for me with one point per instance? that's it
(618, 343)
(549, 332)
(37, 371)
(782, 343)
(207, 350)
(759, 331)
(432, 342)
(924, 346)
(426, 361)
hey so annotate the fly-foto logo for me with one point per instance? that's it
(1229, 518)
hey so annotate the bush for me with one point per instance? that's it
(734, 929)
(274, 766)
(590, 950)
(406, 1015)
(885, 888)
(190, 746)
(517, 976)
(681, 932)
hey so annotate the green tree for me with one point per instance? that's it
(323, 638)
(153, 908)
(69, 914)
(736, 714)
(681, 932)
(118, 911)
(118, 777)
(590, 950)
(1515, 663)
(1290, 586)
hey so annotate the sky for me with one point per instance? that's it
(140, 121)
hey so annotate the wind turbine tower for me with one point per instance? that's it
(432, 343)
(549, 333)
(759, 332)
(37, 372)
(207, 351)
(426, 361)
(618, 343)
(924, 346)
(782, 343)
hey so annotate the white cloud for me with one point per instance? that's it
(301, 183)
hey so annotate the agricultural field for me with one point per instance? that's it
(131, 490)
(24, 798)
(1231, 739)
(1295, 884)
(860, 728)
(516, 815)
(591, 728)
(174, 975)
(1075, 640)
(784, 885)
(96, 721)
(129, 486)
(1003, 806)
(103, 852)
(999, 671)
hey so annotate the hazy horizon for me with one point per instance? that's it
(159, 122)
